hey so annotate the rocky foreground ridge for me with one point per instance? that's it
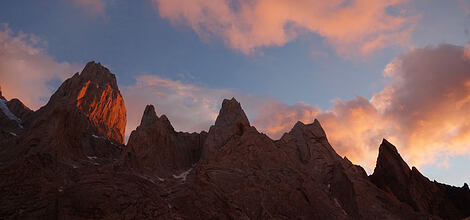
(67, 160)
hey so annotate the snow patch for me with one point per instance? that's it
(92, 158)
(183, 175)
(99, 137)
(13, 134)
(160, 179)
(8, 113)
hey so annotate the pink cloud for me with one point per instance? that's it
(94, 7)
(349, 26)
(25, 70)
(276, 118)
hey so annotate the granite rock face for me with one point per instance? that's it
(85, 118)
(12, 117)
(157, 148)
(230, 122)
(95, 93)
(409, 186)
(67, 161)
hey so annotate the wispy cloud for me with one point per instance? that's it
(349, 26)
(94, 7)
(26, 70)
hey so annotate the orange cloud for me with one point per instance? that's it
(276, 118)
(429, 99)
(26, 71)
(94, 7)
(467, 52)
(423, 110)
(359, 25)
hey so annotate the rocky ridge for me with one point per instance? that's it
(68, 162)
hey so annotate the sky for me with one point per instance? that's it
(367, 69)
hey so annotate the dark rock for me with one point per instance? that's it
(231, 122)
(409, 186)
(156, 147)
(19, 109)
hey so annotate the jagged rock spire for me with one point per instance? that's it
(230, 122)
(409, 186)
(149, 116)
(156, 146)
(231, 113)
(95, 92)
(390, 166)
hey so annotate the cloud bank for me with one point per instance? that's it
(349, 26)
(423, 110)
(26, 70)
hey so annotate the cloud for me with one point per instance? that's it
(94, 7)
(428, 100)
(347, 124)
(26, 71)
(349, 26)
(276, 118)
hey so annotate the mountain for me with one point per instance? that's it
(67, 161)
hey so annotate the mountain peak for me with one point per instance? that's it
(314, 128)
(98, 73)
(230, 113)
(391, 171)
(95, 93)
(149, 116)
(230, 122)
(387, 147)
(390, 162)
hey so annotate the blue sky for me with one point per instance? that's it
(133, 39)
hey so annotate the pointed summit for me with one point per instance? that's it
(409, 186)
(149, 117)
(156, 147)
(389, 162)
(231, 122)
(390, 168)
(95, 92)
(99, 74)
(315, 128)
(231, 113)
(303, 134)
